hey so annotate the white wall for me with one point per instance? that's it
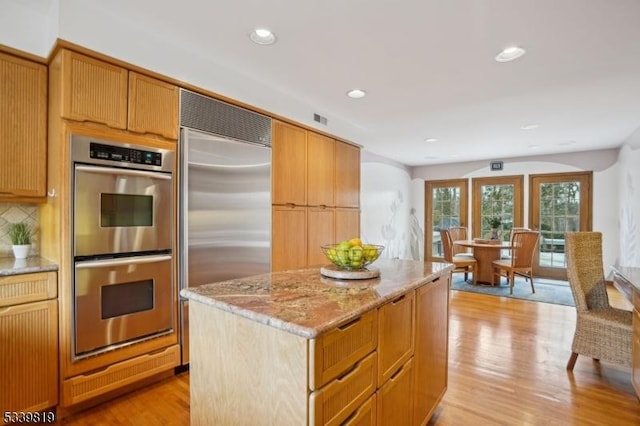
(29, 26)
(386, 203)
(605, 169)
(629, 206)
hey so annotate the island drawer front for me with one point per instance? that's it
(396, 330)
(365, 415)
(334, 352)
(635, 341)
(332, 404)
(394, 397)
(25, 288)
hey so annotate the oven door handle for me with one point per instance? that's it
(128, 172)
(123, 261)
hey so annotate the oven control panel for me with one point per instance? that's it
(124, 154)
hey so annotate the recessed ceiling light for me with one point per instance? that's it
(262, 36)
(510, 53)
(529, 126)
(356, 93)
(533, 146)
(431, 140)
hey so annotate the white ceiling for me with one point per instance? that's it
(428, 68)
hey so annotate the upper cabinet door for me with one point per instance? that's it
(289, 168)
(347, 175)
(153, 106)
(93, 90)
(23, 129)
(320, 170)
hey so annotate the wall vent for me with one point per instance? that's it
(210, 115)
(320, 119)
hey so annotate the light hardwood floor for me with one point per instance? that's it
(507, 367)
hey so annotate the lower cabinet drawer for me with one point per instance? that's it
(336, 351)
(25, 288)
(394, 398)
(335, 402)
(365, 415)
(87, 386)
(635, 363)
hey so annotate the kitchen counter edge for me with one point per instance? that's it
(248, 303)
(33, 264)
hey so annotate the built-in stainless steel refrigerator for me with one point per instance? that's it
(225, 213)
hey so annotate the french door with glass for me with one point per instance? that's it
(559, 203)
(497, 197)
(445, 206)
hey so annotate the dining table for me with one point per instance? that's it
(485, 252)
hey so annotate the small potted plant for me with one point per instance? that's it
(20, 234)
(495, 223)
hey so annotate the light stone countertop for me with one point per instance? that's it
(32, 264)
(305, 303)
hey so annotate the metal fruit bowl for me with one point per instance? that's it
(352, 258)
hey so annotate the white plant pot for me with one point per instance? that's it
(22, 251)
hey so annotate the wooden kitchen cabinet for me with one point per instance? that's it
(320, 170)
(23, 129)
(430, 373)
(635, 350)
(347, 172)
(394, 397)
(300, 232)
(396, 335)
(330, 379)
(320, 231)
(28, 342)
(153, 106)
(310, 170)
(365, 415)
(289, 165)
(92, 90)
(288, 237)
(347, 224)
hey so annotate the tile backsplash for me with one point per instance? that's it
(12, 213)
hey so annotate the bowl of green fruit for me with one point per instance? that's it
(351, 255)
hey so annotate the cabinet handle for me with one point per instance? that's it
(396, 373)
(291, 205)
(398, 299)
(344, 375)
(349, 324)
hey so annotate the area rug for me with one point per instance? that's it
(547, 291)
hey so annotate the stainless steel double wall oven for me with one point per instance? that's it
(123, 203)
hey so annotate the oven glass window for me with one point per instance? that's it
(127, 298)
(125, 210)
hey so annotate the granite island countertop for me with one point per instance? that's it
(305, 303)
(32, 264)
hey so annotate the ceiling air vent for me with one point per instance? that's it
(210, 115)
(320, 119)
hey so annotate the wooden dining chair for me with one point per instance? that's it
(512, 231)
(459, 233)
(521, 262)
(466, 264)
(602, 332)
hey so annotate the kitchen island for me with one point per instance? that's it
(298, 348)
